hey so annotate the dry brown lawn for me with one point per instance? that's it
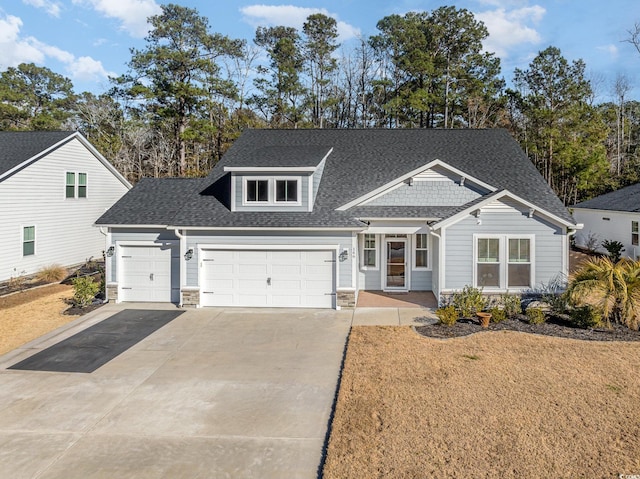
(28, 315)
(491, 405)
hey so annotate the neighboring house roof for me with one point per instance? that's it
(19, 149)
(624, 199)
(361, 161)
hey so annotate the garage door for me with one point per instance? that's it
(303, 279)
(145, 273)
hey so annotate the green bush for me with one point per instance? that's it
(614, 248)
(447, 315)
(498, 315)
(469, 301)
(511, 304)
(84, 290)
(586, 317)
(535, 316)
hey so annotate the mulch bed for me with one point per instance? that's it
(552, 327)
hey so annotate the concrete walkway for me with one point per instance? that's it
(238, 393)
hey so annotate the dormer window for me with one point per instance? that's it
(286, 191)
(257, 191)
(272, 191)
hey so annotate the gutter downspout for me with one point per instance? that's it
(570, 233)
(182, 262)
(440, 262)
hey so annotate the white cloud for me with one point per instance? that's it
(52, 8)
(17, 50)
(611, 50)
(132, 14)
(292, 16)
(508, 29)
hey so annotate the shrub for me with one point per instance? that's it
(84, 290)
(554, 294)
(51, 274)
(498, 315)
(469, 301)
(447, 315)
(586, 317)
(535, 316)
(614, 248)
(511, 304)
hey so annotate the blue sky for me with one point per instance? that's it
(88, 40)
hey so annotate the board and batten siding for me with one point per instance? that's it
(501, 219)
(35, 196)
(200, 239)
(600, 225)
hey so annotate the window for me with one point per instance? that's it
(504, 262)
(634, 233)
(70, 188)
(82, 185)
(286, 190)
(488, 262)
(258, 190)
(369, 251)
(519, 268)
(422, 251)
(28, 240)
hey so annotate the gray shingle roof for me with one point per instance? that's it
(17, 147)
(624, 199)
(361, 161)
(280, 156)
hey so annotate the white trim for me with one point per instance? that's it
(232, 201)
(310, 193)
(431, 164)
(355, 255)
(414, 255)
(64, 192)
(495, 197)
(251, 228)
(272, 191)
(384, 264)
(245, 190)
(376, 266)
(270, 169)
(35, 240)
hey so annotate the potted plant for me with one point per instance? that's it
(484, 318)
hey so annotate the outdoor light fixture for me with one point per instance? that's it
(344, 254)
(189, 254)
(110, 251)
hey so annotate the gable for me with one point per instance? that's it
(435, 186)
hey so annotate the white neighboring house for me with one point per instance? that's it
(53, 187)
(613, 216)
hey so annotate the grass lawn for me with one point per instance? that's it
(497, 405)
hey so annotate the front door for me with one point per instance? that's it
(396, 264)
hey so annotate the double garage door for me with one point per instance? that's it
(269, 278)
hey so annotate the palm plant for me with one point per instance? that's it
(612, 288)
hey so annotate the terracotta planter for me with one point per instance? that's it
(484, 319)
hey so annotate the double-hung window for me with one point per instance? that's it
(421, 251)
(369, 251)
(504, 262)
(70, 185)
(82, 185)
(73, 190)
(28, 240)
(634, 233)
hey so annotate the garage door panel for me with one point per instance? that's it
(145, 273)
(243, 278)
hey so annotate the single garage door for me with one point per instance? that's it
(145, 273)
(279, 279)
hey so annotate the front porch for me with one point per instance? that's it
(411, 299)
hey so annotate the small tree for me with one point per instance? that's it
(84, 290)
(614, 248)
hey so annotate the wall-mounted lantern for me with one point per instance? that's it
(110, 251)
(189, 254)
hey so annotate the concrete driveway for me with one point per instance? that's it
(214, 394)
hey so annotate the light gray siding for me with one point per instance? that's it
(239, 194)
(421, 280)
(64, 228)
(428, 193)
(197, 239)
(435, 265)
(459, 262)
(317, 176)
(370, 280)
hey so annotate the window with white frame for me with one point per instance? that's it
(369, 251)
(504, 262)
(82, 185)
(272, 191)
(286, 191)
(28, 240)
(634, 233)
(70, 185)
(257, 191)
(421, 250)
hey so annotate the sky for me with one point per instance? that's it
(90, 40)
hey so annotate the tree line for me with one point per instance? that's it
(189, 93)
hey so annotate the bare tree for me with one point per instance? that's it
(634, 36)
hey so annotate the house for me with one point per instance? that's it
(308, 218)
(53, 187)
(613, 216)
